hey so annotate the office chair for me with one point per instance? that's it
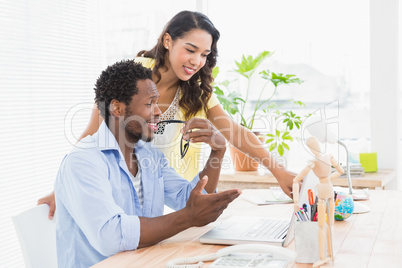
(37, 237)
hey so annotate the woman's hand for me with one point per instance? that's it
(202, 130)
(51, 202)
(285, 180)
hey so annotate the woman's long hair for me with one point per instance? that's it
(197, 90)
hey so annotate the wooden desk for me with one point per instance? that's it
(372, 239)
(264, 179)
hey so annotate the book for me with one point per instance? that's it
(356, 169)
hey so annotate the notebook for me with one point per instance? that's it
(247, 230)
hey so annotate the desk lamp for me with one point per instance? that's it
(318, 129)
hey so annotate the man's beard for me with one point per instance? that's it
(136, 136)
(133, 125)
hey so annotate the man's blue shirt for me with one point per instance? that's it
(97, 205)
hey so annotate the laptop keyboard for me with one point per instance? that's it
(268, 228)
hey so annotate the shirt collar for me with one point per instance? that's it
(105, 140)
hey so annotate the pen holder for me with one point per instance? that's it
(306, 241)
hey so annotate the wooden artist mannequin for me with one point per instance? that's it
(321, 166)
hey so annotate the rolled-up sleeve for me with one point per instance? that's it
(130, 236)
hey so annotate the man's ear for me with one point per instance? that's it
(117, 108)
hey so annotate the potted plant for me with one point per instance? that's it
(285, 124)
(236, 104)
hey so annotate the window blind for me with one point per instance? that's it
(50, 58)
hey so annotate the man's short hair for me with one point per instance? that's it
(119, 82)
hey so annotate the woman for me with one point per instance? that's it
(182, 63)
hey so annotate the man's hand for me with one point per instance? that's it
(205, 132)
(51, 202)
(200, 210)
(206, 208)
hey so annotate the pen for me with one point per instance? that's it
(300, 212)
(314, 208)
(312, 202)
(306, 212)
(310, 193)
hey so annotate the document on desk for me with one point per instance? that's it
(357, 195)
(271, 196)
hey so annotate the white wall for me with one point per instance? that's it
(385, 117)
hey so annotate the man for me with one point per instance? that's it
(111, 188)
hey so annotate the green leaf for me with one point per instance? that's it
(272, 146)
(290, 125)
(247, 66)
(231, 102)
(280, 150)
(285, 145)
(278, 133)
(226, 83)
(265, 74)
(279, 78)
(218, 91)
(286, 136)
(215, 72)
(269, 140)
(308, 115)
(300, 103)
(271, 106)
(270, 135)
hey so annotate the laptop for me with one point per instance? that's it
(248, 230)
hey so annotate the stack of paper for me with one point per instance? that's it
(357, 194)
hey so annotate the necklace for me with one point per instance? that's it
(170, 113)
